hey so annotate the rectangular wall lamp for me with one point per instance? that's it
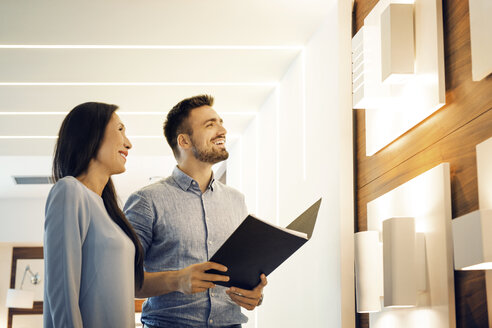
(472, 242)
(394, 270)
(400, 283)
(403, 262)
(397, 43)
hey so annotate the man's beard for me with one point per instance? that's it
(209, 155)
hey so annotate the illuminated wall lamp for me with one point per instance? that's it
(368, 271)
(404, 266)
(472, 242)
(397, 43)
(24, 299)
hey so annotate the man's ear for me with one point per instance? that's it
(184, 141)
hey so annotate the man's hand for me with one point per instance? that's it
(193, 278)
(248, 299)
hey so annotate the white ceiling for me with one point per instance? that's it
(144, 56)
(157, 22)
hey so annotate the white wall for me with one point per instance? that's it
(5, 264)
(25, 226)
(25, 220)
(301, 143)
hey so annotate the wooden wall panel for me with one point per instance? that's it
(17, 254)
(449, 135)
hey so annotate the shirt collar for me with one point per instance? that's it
(186, 182)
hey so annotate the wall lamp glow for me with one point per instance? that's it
(368, 271)
(18, 298)
(472, 242)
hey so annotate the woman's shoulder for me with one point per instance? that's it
(67, 182)
(68, 202)
(67, 188)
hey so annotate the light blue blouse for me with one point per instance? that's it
(89, 262)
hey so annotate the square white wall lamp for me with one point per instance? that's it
(392, 109)
(472, 242)
(427, 199)
(397, 43)
(368, 271)
(404, 266)
(481, 42)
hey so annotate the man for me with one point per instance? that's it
(182, 221)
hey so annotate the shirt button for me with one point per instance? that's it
(211, 321)
(212, 294)
(210, 242)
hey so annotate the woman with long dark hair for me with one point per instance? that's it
(93, 258)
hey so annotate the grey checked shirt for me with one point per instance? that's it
(179, 225)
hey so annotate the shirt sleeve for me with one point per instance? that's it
(66, 225)
(140, 214)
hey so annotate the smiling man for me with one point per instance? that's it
(182, 221)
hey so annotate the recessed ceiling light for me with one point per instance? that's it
(33, 180)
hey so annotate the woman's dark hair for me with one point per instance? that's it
(79, 140)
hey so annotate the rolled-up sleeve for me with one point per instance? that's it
(141, 216)
(66, 224)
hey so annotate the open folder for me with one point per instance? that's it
(257, 247)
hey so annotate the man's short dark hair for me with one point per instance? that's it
(177, 119)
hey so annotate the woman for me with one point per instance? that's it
(93, 258)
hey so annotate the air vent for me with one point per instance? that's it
(33, 180)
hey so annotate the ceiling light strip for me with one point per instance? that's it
(56, 137)
(31, 113)
(122, 113)
(303, 110)
(229, 136)
(145, 84)
(153, 47)
(277, 155)
(28, 137)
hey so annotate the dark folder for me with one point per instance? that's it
(257, 247)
